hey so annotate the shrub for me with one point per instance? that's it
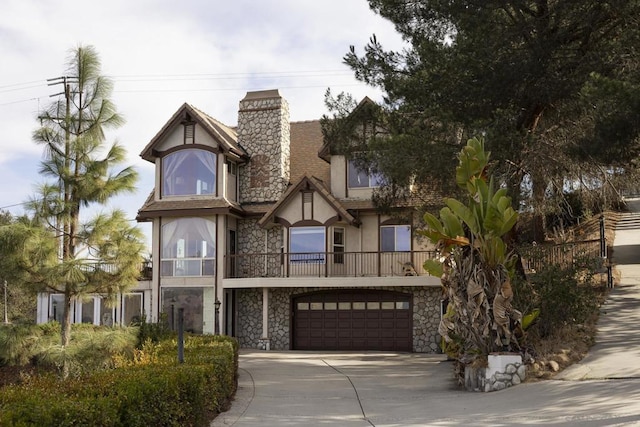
(155, 332)
(164, 393)
(564, 295)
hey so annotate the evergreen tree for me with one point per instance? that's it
(553, 85)
(56, 252)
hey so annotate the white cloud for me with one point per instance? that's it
(155, 49)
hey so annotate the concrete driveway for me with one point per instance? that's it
(391, 389)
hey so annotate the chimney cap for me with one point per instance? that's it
(262, 94)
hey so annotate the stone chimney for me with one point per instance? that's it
(263, 131)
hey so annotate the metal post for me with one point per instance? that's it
(603, 241)
(217, 314)
(181, 335)
(172, 320)
(6, 314)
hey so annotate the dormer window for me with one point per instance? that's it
(359, 178)
(189, 172)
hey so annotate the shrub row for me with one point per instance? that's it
(158, 391)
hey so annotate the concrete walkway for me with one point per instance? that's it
(389, 389)
(616, 353)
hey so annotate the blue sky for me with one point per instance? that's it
(161, 54)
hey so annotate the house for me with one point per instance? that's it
(262, 232)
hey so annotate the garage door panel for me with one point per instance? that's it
(352, 320)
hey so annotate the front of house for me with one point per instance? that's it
(258, 236)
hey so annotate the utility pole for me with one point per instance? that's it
(65, 82)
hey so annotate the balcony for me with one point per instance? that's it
(327, 264)
(187, 267)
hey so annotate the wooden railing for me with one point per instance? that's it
(563, 254)
(327, 264)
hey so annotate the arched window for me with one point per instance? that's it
(189, 172)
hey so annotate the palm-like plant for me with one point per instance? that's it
(475, 266)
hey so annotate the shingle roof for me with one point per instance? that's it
(185, 206)
(306, 141)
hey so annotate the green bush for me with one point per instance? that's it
(154, 332)
(164, 393)
(564, 295)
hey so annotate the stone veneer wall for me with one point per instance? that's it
(251, 240)
(426, 316)
(264, 132)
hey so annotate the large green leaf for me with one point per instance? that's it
(451, 223)
(464, 213)
(433, 267)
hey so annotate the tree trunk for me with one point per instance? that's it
(65, 328)
(539, 185)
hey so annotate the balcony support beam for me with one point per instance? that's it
(265, 342)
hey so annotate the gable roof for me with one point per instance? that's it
(223, 134)
(309, 183)
(364, 106)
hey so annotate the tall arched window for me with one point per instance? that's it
(189, 172)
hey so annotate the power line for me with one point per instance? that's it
(224, 89)
(13, 206)
(20, 101)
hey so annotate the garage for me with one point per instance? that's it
(352, 320)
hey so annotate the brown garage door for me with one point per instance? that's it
(352, 320)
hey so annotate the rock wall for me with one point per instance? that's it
(426, 316)
(264, 132)
(251, 240)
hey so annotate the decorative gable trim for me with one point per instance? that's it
(307, 183)
(225, 136)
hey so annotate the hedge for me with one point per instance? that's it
(160, 393)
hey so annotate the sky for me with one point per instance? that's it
(161, 54)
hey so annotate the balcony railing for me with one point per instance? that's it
(327, 264)
(181, 267)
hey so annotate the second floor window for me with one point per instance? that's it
(189, 172)
(359, 178)
(188, 247)
(395, 238)
(307, 245)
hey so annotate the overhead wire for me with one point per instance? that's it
(143, 78)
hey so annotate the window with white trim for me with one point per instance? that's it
(395, 238)
(338, 245)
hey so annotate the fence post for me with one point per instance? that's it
(181, 335)
(603, 253)
(603, 241)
